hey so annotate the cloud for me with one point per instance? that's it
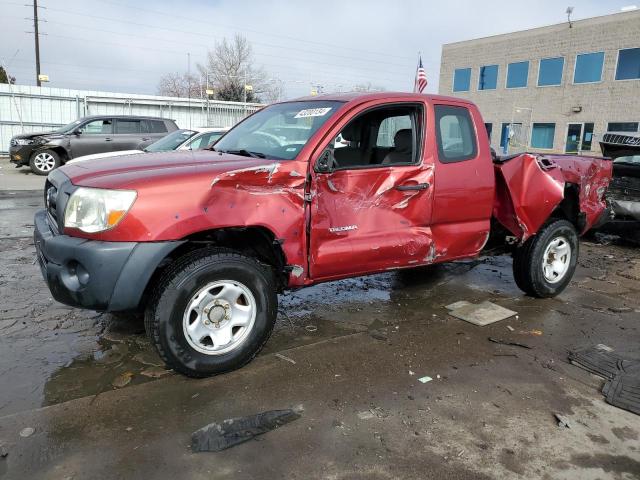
(125, 47)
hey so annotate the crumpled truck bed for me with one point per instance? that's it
(530, 187)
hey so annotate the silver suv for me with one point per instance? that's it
(46, 151)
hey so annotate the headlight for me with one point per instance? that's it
(95, 209)
(24, 141)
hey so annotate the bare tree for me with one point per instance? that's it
(180, 85)
(230, 67)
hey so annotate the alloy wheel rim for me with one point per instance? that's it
(44, 162)
(219, 317)
(556, 260)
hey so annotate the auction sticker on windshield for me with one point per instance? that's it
(313, 112)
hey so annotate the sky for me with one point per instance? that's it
(125, 47)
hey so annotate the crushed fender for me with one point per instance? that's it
(216, 437)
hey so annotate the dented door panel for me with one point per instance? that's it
(361, 222)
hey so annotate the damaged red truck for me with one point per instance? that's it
(299, 193)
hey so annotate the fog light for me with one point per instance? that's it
(74, 276)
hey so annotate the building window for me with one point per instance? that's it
(488, 79)
(517, 74)
(462, 80)
(587, 136)
(628, 64)
(542, 135)
(489, 128)
(550, 72)
(622, 127)
(588, 67)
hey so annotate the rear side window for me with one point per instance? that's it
(154, 126)
(455, 134)
(127, 126)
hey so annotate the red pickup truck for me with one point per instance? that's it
(303, 192)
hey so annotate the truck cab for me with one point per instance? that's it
(203, 241)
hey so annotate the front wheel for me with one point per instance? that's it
(544, 265)
(43, 162)
(212, 312)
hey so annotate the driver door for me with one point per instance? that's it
(96, 137)
(372, 210)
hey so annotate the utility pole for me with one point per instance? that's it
(35, 31)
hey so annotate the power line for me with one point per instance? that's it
(157, 27)
(261, 32)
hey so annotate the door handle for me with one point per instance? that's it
(417, 186)
(144, 139)
(108, 139)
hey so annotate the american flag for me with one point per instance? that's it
(421, 78)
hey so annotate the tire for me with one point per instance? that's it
(43, 162)
(193, 342)
(534, 270)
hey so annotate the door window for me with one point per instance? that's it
(153, 126)
(455, 134)
(98, 127)
(378, 137)
(587, 137)
(128, 126)
(205, 140)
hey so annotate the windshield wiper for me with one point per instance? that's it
(244, 153)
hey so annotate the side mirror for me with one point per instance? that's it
(325, 162)
(494, 155)
(77, 131)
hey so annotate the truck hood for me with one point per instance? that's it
(130, 171)
(39, 134)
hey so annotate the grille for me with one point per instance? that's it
(14, 142)
(620, 139)
(51, 202)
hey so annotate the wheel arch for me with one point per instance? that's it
(569, 207)
(255, 241)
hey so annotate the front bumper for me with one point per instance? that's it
(105, 276)
(20, 154)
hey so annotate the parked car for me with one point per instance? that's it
(183, 139)
(46, 151)
(204, 242)
(624, 191)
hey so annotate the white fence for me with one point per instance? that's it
(25, 109)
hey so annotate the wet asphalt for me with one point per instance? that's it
(102, 405)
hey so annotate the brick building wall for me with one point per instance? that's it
(600, 103)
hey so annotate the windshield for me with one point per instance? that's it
(632, 159)
(279, 131)
(68, 128)
(171, 141)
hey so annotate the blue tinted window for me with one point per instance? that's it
(488, 79)
(550, 71)
(517, 74)
(542, 135)
(628, 64)
(588, 67)
(462, 80)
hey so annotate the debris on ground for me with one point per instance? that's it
(562, 420)
(234, 431)
(425, 379)
(27, 432)
(510, 328)
(3, 451)
(311, 328)
(285, 358)
(480, 314)
(622, 388)
(154, 372)
(506, 342)
(122, 380)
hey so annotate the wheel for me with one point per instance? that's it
(212, 312)
(43, 162)
(544, 265)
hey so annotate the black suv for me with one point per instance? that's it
(96, 134)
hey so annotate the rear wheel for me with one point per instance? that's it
(544, 265)
(43, 162)
(212, 312)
